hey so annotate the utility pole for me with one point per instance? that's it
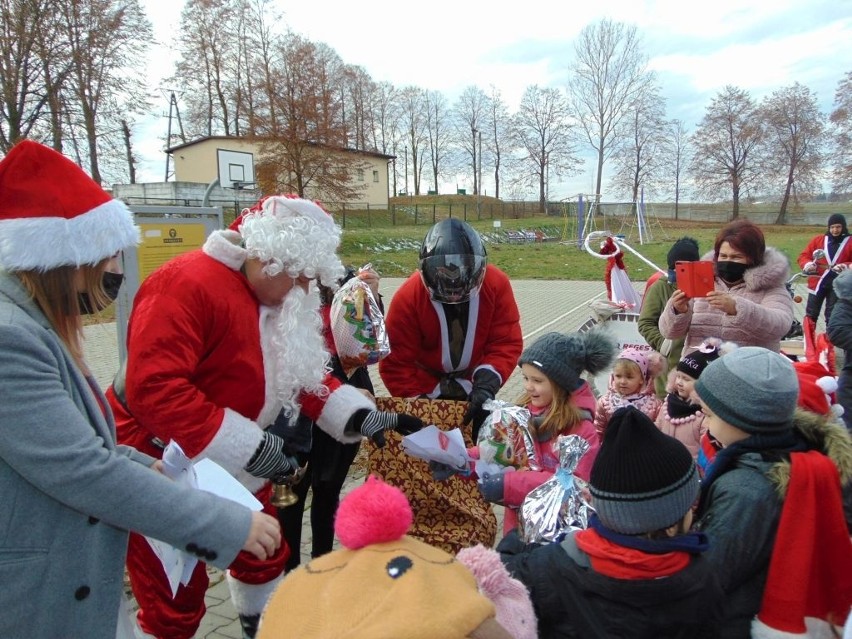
(174, 112)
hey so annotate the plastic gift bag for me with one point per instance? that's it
(559, 504)
(358, 325)
(505, 441)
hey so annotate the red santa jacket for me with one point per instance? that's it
(195, 369)
(843, 255)
(417, 331)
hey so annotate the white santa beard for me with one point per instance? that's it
(301, 360)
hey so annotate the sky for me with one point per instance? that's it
(694, 48)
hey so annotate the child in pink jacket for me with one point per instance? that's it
(631, 384)
(560, 403)
(680, 415)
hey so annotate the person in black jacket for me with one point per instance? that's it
(840, 334)
(636, 571)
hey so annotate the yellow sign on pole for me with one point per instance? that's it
(162, 242)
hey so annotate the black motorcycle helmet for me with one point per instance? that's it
(452, 261)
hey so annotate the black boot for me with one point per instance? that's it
(249, 625)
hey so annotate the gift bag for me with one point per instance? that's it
(448, 514)
(559, 505)
(505, 440)
(357, 326)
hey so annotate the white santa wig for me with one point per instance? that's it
(291, 234)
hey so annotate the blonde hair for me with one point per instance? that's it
(562, 415)
(55, 293)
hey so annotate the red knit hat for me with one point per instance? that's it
(53, 214)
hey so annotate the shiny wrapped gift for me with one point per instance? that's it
(358, 326)
(505, 440)
(559, 505)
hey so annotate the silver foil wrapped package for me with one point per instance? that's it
(559, 505)
(505, 440)
(358, 326)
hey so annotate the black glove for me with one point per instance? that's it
(270, 462)
(486, 383)
(374, 423)
(491, 487)
(441, 472)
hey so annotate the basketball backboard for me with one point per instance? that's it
(236, 169)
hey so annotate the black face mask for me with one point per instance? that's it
(111, 283)
(731, 271)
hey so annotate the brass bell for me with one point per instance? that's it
(283, 496)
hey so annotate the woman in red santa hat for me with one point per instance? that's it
(69, 493)
(220, 341)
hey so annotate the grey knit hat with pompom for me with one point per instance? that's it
(563, 357)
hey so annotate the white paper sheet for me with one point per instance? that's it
(433, 444)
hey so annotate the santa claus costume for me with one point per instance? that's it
(210, 367)
(421, 343)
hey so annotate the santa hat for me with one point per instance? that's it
(52, 214)
(294, 235)
(381, 583)
(817, 389)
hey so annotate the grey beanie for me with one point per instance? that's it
(564, 357)
(642, 479)
(751, 388)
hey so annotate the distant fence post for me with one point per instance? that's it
(343, 214)
(451, 213)
(393, 214)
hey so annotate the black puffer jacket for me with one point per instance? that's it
(571, 600)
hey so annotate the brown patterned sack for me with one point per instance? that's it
(447, 514)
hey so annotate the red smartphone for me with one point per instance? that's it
(695, 279)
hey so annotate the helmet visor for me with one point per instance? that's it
(452, 278)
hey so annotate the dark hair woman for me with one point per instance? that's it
(750, 305)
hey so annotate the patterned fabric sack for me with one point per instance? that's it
(450, 514)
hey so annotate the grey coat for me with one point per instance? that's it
(69, 495)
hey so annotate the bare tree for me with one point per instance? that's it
(543, 133)
(498, 124)
(412, 104)
(841, 133)
(107, 43)
(793, 150)
(27, 31)
(724, 142)
(638, 159)
(469, 119)
(437, 132)
(676, 157)
(607, 78)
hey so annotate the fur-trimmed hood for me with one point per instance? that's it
(823, 434)
(773, 272)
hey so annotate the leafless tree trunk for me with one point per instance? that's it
(469, 117)
(841, 134)
(608, 76)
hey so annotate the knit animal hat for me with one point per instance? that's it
(752, 388)
(382, 584)
(52, 214)
(564, 357)
(642, 480)
(684, 250)
(294, 235)
(695, 363)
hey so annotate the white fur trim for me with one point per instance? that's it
(226, 247)
(338, 408)
(44, 243)
(250, 599)
(234, 444)
(828, 384)
(816, 629)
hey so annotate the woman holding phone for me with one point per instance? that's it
(749, 305)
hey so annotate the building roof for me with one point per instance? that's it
(177, 147)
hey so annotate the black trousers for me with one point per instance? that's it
(328, 465)
(825, 293)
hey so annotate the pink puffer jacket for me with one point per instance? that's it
(764, 310)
